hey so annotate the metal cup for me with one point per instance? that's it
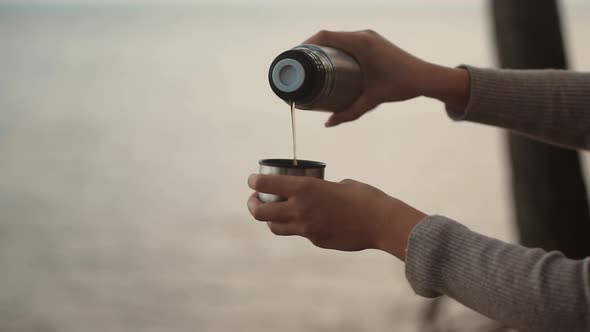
(286, 167)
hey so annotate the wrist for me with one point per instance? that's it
(397, 223)
(448, 85)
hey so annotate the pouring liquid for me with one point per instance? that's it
(293, 133)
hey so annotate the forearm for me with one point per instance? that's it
(528, 289)
(550, 105)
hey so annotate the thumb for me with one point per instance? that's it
(353, 112)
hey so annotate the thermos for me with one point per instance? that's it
(316, 78)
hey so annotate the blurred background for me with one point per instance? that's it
(127, 132)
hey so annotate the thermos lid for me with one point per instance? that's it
(294, 76)
(288, 75)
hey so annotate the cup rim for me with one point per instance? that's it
(288, 163)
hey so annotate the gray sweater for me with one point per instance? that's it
(527, 289)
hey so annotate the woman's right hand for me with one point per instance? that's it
(391, 74)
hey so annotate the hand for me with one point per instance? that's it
(348, 215)
(391, 74)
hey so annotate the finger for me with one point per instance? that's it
(284, 229)
(346, 41)
(282, 185)
(276, 211)
(353, 112)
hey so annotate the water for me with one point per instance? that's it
(293, 130)
(126, 138)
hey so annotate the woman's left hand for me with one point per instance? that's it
(347, 215)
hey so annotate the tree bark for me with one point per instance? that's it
(549, 194)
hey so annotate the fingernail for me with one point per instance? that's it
(250, 204)
(327, 124)
(252, 180)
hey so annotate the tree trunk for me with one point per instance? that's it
(550, 197)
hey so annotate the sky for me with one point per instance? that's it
(139, 2)
(317, 2)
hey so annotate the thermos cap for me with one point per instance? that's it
(296, 76)
(288, 75)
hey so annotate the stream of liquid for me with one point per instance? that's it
(293, 132)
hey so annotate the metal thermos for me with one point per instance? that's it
(316, 78)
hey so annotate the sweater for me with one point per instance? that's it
(525, 288)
